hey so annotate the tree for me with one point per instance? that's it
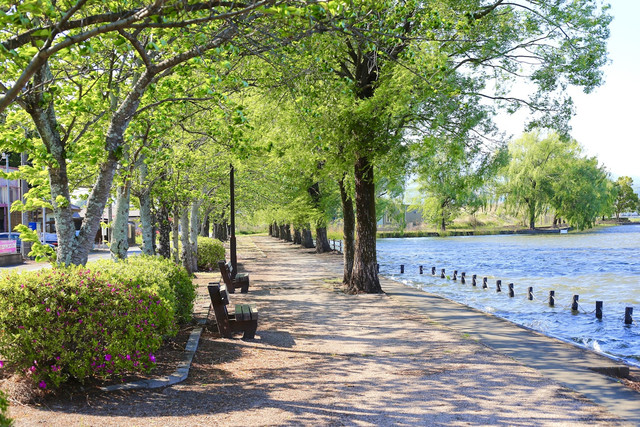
(427, 65)
(535, 164)
(451, 175)
(548, 173)
(626, 200)
(44, 51)
(580, 192)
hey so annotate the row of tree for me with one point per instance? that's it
(321, 106)
(535, 175)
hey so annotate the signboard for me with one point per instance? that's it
(7, 246)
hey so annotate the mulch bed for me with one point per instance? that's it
(168, 356)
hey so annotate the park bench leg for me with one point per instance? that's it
(250, 332)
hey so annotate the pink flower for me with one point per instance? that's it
(1, 363)
(152, 358)
(42, 384)
(107, 357)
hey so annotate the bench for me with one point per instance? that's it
(244, 319)
(232, 279)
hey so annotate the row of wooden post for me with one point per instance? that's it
(628, 312)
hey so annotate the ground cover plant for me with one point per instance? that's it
(76, 323)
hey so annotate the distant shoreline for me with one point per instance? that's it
(491, 232)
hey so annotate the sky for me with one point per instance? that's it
(607, 119)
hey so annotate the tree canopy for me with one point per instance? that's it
(321, 105)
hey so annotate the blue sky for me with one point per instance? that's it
(607, 120)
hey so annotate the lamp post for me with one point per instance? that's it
(232, 238)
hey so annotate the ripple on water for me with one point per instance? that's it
(598, 266)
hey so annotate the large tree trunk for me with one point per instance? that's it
(220, 229)
(322, 242)
(120, 227)
(532, 215)
(364, 277)
(186, 255)
(206, 225)
(175, 235)
(193, 234)
(164, 226)
(287, 233)
(307, 237)
(348, 231)
(297, 236)
(146, 217)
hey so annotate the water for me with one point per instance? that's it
(600, 265)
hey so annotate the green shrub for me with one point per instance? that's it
(75, 323)
(4, 405)
(160, 275)
(210, 251)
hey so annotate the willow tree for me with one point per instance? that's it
(453, 175)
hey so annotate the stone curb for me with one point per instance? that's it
(179, 375)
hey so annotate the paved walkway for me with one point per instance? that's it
(322, 357)
(568, 364)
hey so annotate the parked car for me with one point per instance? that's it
(13, 236)
(51, 239)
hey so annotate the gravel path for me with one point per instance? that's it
(321, 357)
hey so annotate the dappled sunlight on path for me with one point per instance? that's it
(322, 357)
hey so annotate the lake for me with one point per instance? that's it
(599, 265)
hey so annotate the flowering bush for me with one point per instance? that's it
(210, 251)
(73, 322)
(4, 420)
(160, 275)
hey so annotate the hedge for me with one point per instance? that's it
(76, 323)
(161, 275)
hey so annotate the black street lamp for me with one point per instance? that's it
(232, 238)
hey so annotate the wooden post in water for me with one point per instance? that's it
(484, 283)
(530, 293)
(473, 280)
(599, 310)
(433, 271)
(401, 268)
(552, 298)
(574, 304)
(455, 275)
(462, 278)
(442, 274)
(498, 285)
(421, 270)
(377, 268)
(628, 315)
(511, 293)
